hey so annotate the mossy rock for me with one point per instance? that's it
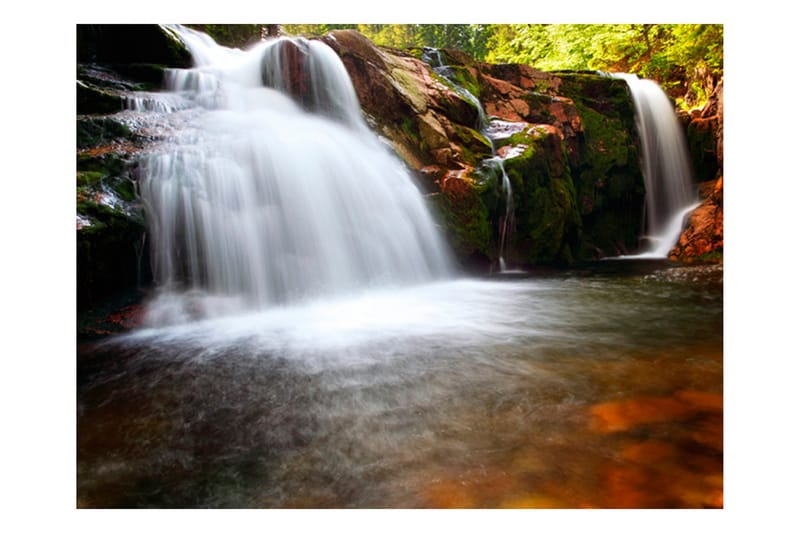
(463, 77)
(110, 237)
(547, 223)
(475, 148)
(456, 107)
(603, 93)
(95, 131)
(231, 35)
(465, 218)
(95, 100)
(607, 174)
(110, 254)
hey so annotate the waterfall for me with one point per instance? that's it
(487, 128)
(271, 189)
(665, 163)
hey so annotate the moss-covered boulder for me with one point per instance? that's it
(110, 229)
(547, 225)
(465, 217)
(578, 188)
(608, 180)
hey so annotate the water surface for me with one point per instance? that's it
(595, 387)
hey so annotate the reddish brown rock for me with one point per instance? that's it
(702, 241)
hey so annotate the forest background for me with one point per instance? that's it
(686, 59)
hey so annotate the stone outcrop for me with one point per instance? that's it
(704, 128)
(113, 62)
(702, 241)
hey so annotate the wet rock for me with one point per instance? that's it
(703, 241)
(464, 217)
(546, 218)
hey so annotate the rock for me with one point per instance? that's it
(608, 180)
(431, 132)
(464, 217)
(579, 192)
(702, 241)
(547, 223)
(130, 44)
(111, 251)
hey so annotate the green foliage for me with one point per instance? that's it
(470, 38)
(685, 58)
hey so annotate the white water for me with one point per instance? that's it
(490, 133)
(665, 163)
(274, 191)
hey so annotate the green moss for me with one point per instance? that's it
(714, 256)
(548, 225)
(475, 146)
(94, 131)
(608, 178)
(94, 100)
(109, 164)
(88, 178)
(463, 77)
(466, 221)
(409, 87)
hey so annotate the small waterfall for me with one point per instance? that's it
(665, 163)
(490, 132)
(273, 189)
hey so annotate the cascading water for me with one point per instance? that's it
(274, 190)
(491, 132)
(665, 164)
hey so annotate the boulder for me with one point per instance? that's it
(547, 224)
(702, 240)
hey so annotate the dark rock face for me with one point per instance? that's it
(704, 137)
(129, 44)
(113, 60)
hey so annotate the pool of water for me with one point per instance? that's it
(597, 387)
